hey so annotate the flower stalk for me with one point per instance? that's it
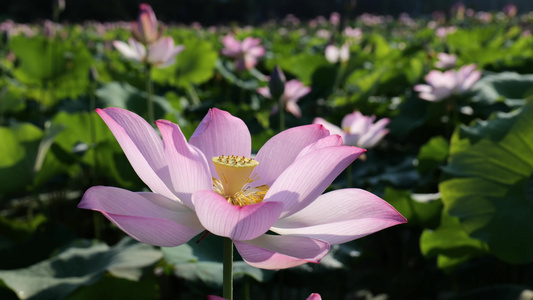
(227, 272)
(149, 92)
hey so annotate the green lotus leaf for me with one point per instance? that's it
(488, 187)
(80, 264)
(195, 65)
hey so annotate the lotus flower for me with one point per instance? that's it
(145, 29)
(160, 54)
(510, 10)
(358, 130)
(334, 54)
(212, 183)
(313, 296)
(446, 61)
(442, 85)
(245, 53)
(294, 90)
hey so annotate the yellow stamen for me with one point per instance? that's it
(234, 173)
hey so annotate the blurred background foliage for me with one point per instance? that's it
(217, 12)
(462, 176)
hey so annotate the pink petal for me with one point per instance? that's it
(213, 297)
(249, 43)
(233, 221)
(341, 216)
(264, 91)
(143, 148)
(293, 108)
(220, 133)
(188, 167)
(157, 52)
(127, 50)
(332, 54)
(304, 180)
(370, 141)
(257, 51)
(147, 217)
(422, 88)
(314, 296)
(232, 46)
(280, 151)
(281, 252)
(329, 141)
(333, 129)
(249, 62)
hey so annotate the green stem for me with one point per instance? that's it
(349, 178)
(281, 109)
(3, 92)
(93, 128)
(194, 96)
(247, 288)
(149, 92)
(228, 269)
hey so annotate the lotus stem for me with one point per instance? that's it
(281, 115)
(149, 92)
(228, 269)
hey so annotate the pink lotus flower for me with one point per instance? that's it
(442, 32)
(207, 184)
(294, 90)
(245, 53)
(510, 10)
(145, 29)
(358, 130)
(160, 54)
(446, 61)
(313, 296)
(334, 54)
(442, 85)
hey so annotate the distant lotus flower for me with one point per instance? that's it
(245, 53)
(212, 183)
(483, 16)
(313, 296)
(510, 10)
(294, 90)
(355, 33)
(442, 32)
(161, 54)
(335, 18)
(458, 10)
(323, 33)
(334, 54)
(442, 85)
(358, 130)
(145, 29)
(446, 61)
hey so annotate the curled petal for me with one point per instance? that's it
(280, 151)
(236, 222)
(293, 108)
(264, 91)
(220, 133)
(329, 141)
(147, 217)
(341, 216)
(128, 51)
(188, 167)
(143, 148)
(281, 252)
(304, 180)
(333, 129)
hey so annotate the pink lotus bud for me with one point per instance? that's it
(145, 29)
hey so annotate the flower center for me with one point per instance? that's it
(234, 173)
